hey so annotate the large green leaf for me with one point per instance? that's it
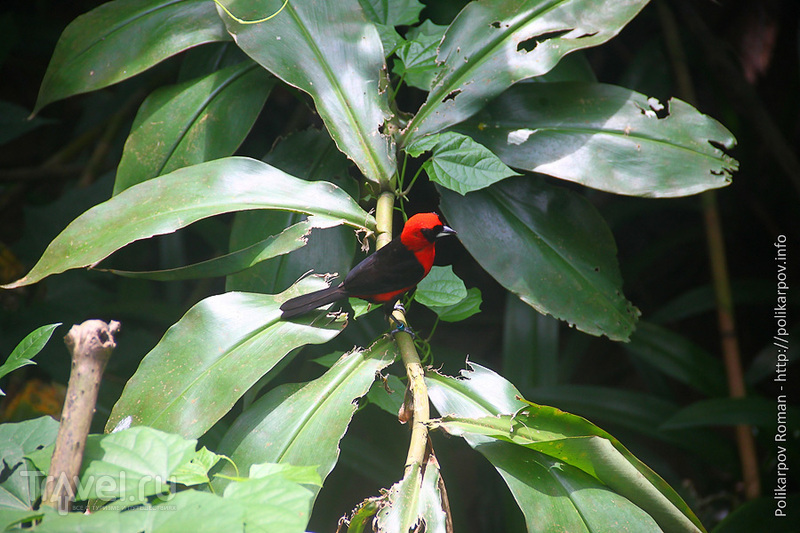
(550, 247)
(330, 51)
(310, 155)
(493, 44)
(303, 424)
(292, 238)
(119, 39)
(208, 360)
(488, 408)
(167, 203)
(606, 137)
(193, 122)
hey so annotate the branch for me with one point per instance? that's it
(420, 408)
(91, 345)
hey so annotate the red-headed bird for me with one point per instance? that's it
(386, 275)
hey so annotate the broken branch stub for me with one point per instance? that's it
(90, 344)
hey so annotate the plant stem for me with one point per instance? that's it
(719, 272)
(416, 374)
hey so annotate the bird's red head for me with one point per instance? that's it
(422, 230)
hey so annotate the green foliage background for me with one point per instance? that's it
(662, 394)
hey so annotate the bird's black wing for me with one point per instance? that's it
(392, 268)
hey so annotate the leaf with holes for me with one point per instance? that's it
(493, 44)
(606, 137)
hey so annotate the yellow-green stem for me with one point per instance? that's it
(405, 343)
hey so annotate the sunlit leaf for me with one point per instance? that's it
(120, 39)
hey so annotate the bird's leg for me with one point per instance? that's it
(398, 325)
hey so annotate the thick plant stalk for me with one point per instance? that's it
(719, 271)
(91, 345)
(420, 408)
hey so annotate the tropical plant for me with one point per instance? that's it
(509, 104)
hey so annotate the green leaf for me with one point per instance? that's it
(27, 349)
(131, 464)
(752, 411)
(392, 13)
(122, 38)
(530, 345)
(484, 414)
(193, 122)
(416, 57)
(273, 503)
(196, 470)
(462, 310)
(302, 424)
(462, 165)
(493, 44)
(162, 205)
(330, 51)
(208, 360)
(607, 138)
(640, 413)
(677, 357)
(310, 155)
(292, 238)
(550, 247)
(21, 484)
(400, 512)
(440, 287)
(554, 495)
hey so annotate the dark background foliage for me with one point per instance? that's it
(743, 60)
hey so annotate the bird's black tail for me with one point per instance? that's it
(308, 302)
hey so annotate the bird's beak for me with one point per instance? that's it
(446, 230)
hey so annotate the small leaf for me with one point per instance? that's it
(195, 472)
(462, 165)
(120, 39)
(27, 349)
(416, 57)
(470, 305)
(440, 287)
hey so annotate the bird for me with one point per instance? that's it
(386, 275)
